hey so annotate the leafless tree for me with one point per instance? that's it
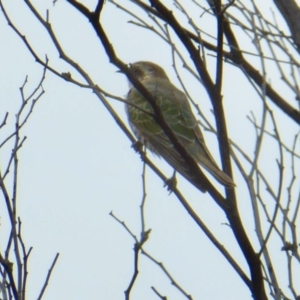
(15, 256)
(272, 57)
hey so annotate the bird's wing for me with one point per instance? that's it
(197, 148)
(151, 134)
(178, 115)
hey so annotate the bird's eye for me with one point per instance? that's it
(137, 72)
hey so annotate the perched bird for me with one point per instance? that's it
(177, 114)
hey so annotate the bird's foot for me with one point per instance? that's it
(171, 183)
(137, 146)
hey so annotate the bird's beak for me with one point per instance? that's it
(120, 71)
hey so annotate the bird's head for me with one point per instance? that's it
(145, 70)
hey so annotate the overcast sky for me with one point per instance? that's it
(77, 166)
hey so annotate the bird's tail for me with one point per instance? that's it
(219, 175)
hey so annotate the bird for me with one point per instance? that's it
(178, 115)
